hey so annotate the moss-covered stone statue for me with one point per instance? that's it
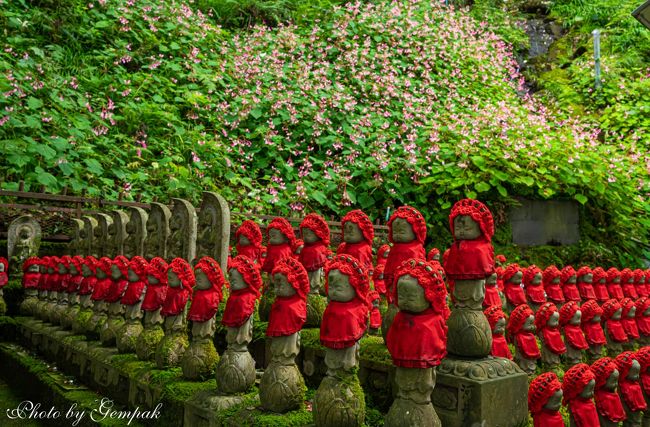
(180, 279)
(417, 342)
(313, 255)
(117, 233)
(236, 369)
(100, 292)
(643, 356)
(521, 328)
(574, 337)
(545, 400)
(547, 326)
(643, 320)
(339, 400)
(136, 232)
(154, 298)
(213, 230)
(182, 231)
(578, 388)
(155, 242)
(201, 357)
(115, 319)
(74, 284)
(248, 241)
(23, 241)
(282, 387)
(88, 270)
(628, 319)
(128, 334)
(593, 331)
(30, 280)
(608, 402)
(61, 303)
(43, 288)
(614, 331)
(102, 236)
(91, 240)
(630, 388)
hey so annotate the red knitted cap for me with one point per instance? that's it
(140, 266)
(518, 318)
(566, 273)
(432, 253)
(414, 217)
(550, 273)
(567, 311)
(285, 228)
(122, 263)
(575, 380)
(318, 225)
(104, 264)
(493, 313)
(383, 249)
(361, 219)
(642, 305)
(599, 274)
(624, 362)
(626, 275)
(643, 356)
(479, 213)
(544, 313)
(251, 231)
(428, 276)
(541, 389)
(510, 271)
(638, 275)
(501, 259)
(91, 263)
(609, 308)
(296, 275)
(77, 261)
(184, 272)
(213, 271)
(65, 260)
(249, 271)
(530, 273)
(589, 310)
(357, 275)
(30, 261)
(612, 274)
(626, 305)
(583, 271)
(158, 269)
(602, 369)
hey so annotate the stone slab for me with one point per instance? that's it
(545, 222)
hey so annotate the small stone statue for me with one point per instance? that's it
(574, 338)
(640, 283)
(155, 242)
(378, 280)
(117, 233)
(86, 289)
(4, 279)
(591, 318)
(545, 400)
(630, 388)
(497, 319)
(201, 357)
(585, 278)
(74, 284)
(532, 280)
(643, 356)
(282, 387)
(515, 295)
(54, 285)
(23, 241)
(599, 284)
(91, 239)
(339, 400)
(236, 369)
(417, 342)
(627, 281)
(213, 230)
(407, 231)
(433, 255)
(608, 402)
(614, 331)
(547, 324)
(313, 256)
(102, 237)
(76, 245)
(568, 281)
(43, 288)
(520, 328)
(643, 320)
(492, 294)
(136, 232)
(358, 235)
(551, 281)
(578, 387)
(182, 231)
(100, 292)
(628, 319)
(119, 283)
(154, 298)
(30, 280)
(375, 314)
(127, 336)
(61, 303)
(614, 284)
(248, 239)
(180, 279)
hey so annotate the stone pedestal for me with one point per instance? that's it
(202, 408)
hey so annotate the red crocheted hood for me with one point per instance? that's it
(518, 319)
(638, 276)
(584, 270)
(357, 275)
(544, 312)
(626, 305)
(609, 308)
(575, 380)
(251, 231)
(53, 262)
(647, 276)
(65, 260)
(541, 389)
(184, 272)
(429, 278)
(589, 310)
(249, 271)
(567, 311)
(382, 252)
(566, 274)
(77, 261)
(29, 262)
(414, 217)
(602, 369)
(123, 264)
(91, 262)
(296, 275)
(361, 219)
(643, 356)
(642, 305)
(104, 264)
(433, 253)
(599, 274)
(624, 362)
(373, 296)
(158, 268)
(626, 275)
(318, 225)
(550, 273)
(510, 271)
(285, 228)
(612, 274)
(213, 271)
(140, 266)
(478, 212)
(530, 273)
(493, 313)
(501, 259)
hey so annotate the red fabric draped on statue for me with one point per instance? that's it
(87, 285)
(527, 345)
(643, 325)
(470, 259)
(399, 253)
(336, 333)
(546, 418)
(586, 291)
(362, 251)
(594, 333)
(250, 251)
(133, 293)
(571, 292)
(4, 278)
(239, 307)
(553, 340)
(600, 289)
(175, 301)
(584, 412)
(314, 255)
(116, 290)
(274, 253)
(554, 293)
(514, 294)
(536, 293)
(375, 318)
(205, 303)
(288, 315)
(609, 405)
(30, 280)
(102, 287)
(491, 296)
(500, 347)
(629, 290)
(417, 340)
(616, 331)
(630, 328)
(154, 298)
(632, 394)
(575, 337)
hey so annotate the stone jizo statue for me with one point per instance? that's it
(630, 389)
(119, 284)
(154, 298)
(23, 241)
(547, 324)
(127, 335)
(608, 402)
(578, 387)
(521, 328)
(574, 337)
(545, 400)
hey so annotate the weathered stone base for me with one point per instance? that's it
(491, 392)
(127, 336)
(339, 402)
(145, 346)
(199, 360)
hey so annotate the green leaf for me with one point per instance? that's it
(478, 161)
(581, 198)
(94, 166)
(470, 194)
(103, 24)
(256, 113)
(319, 196)
(47, 179)
(34, 103)
(501, 189)
(482, 187)
(529, 181)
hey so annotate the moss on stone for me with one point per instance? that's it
(374, 349)
(147, 342)
(310, 337)
(248, 414)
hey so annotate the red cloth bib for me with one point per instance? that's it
(500, 347)
(239, 307)
(375, 318)
(514, 294)
(553, 340)
(642, 290)
(643, 324)
(175, 301)
(645, 383)
(344, 323)
(546, 418)
(575, 337)
(571, 292)
(75, 283)
(469, 259)
(30, 280)
(584, 412)
(491, 296)
(102, 287)
(417, 340)
(287, 317)
(274, 253)
(362, 251)
(609, 405)
(632, 394)
(205, 303)
(399, 253)
(616, 331)
(536, 294)
(594, 333)
(133, 293)
(527, 345)
(630, 328)
(250, 251)
(601, 292)
(586, 291)
(615, 291)
(154, 298)
(554, 293)
(87, 285)
(314, 255)
(629, 290)
(4, 278)
(116, 291)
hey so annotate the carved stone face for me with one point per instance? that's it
(602, 280)
(86, 271)
(572, 279)
(529, 325)
(410, 295)
(236, 280)
(587, 278)
(152, 280)
(612, 381)
(492, 279)
(110, 231)
(130, 226)
(617, 314)
(352, 232)
(132, 275)
(465, 228)
(635, 370)
(62, 269)
(516, 278)
(554, 320)
(339, 288)
(152, 226)
(99, 273)
(577, 317)
(595, 319)
(308, 235)
(175, 223)
(276, 237)
(631, 279)
(617, 279)
(31, 269)
(243, 240)
(282, 286)
(555, 401)
(202, 281)
(588, 391)
(2, 267)
(556, 280)
(50, 269)
(25, 233)
(43, 269)
(537, 279)
(172, 279)
(500, 326)
(115, 272)
(73, 270)
(632, 313)
(402, 231)
(97, 232)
